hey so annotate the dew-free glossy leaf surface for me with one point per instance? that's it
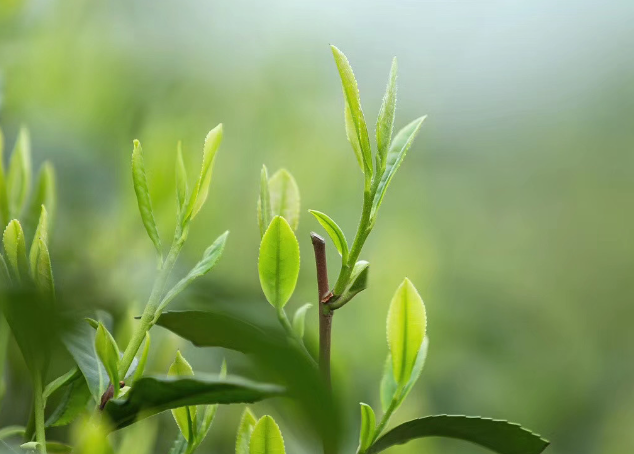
(151, 395)
(73, 403)
(245, 429)
(15, 248)
(278, 263)
(284, 194)
(143, 196)
(79, 340)
(41, 233)
(406, 324)
(45, 193)
(182, 415)
(385, 120)
(210, 147)
(388, 383)
(299, 320)
(108, 353)
(368, 423)
(498, 436)
(266, 438)
(19, 175)
(181, 182)
(264, 202)
(334, 232)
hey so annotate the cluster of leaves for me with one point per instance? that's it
(111, 384)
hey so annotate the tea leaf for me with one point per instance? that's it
(73, 404)
(181, 368)
(138, 373)
(389, 387)
(5, 277)
(4, 201)
(385, 120)
(354, 113)
(61, 381)
(79, 340)
(181, 184)
(41, 233)
(199, 195)
(498, 436)
(210, 257)
(278, 264)
(143, 197)
(210, 412)
(152, 395)
(44, 272)
(299, 319)
(15, 248)
(19, 175)
(245, 429)
(108, 353)
(45, 194)
(398, 149)
(351, 134)
(358, 278)
(266, 438)
(368, 423)
(334, 232)
(284, 195)
(264, 202)
(405, 330)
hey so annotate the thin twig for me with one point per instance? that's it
(325, 313)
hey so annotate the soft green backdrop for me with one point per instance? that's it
(512, 213)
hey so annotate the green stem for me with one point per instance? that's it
(385, 418)
(40, 434)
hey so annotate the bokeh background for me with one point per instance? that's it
(512, 213)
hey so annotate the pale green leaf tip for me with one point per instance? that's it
(136, 144)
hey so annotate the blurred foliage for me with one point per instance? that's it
(512, 215)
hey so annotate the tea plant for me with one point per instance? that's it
(109, 386)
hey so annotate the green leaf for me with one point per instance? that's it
(152, 395)
(73, 403)
(245, 429)
(61, 381)
(12, 431)
(498, 436)
(389, 387)
(398, 149)
(4, 201)
(108, 353)
(19, 176)
(264, 202)
(299, 319)
(385, 120)
(405, 330)
(210, 412)
(15, 248)
(368, 423)
(41, 233)
(266, 438)
(5, 277)
(138, 373)
(181, 184)
(284, 196)
(351, 134)
(355, 113)
(44, 272)
(210, 257)
(45, 193)
(143, 197)
(358, 278)
(334, 232)
(181, 368)
(278, 263)
(199, 195)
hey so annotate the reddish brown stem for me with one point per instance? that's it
(325, 313)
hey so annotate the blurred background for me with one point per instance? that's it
(512, 213)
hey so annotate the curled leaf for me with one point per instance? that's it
(299, 320)
(199, 195)
(15, 248)
(334, 232)
(368, 424)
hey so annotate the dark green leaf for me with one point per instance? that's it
(498, 436)
(61, 381)
(151, 395)
(80, 343)
(73, 403)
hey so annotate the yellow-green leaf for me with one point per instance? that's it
(108, 353)
(19, 176)
(41, 233)
(264, 202)
(138, 373)
(181, 183)
(143, 196)
(299, 320)
(45, 194)
(184, 416)
(284, 195)
(406, 324)
(385, 120)
(355, 113)
(245, 429)
(210, 147)
(334, 232)
(15, 248)
(43, 273)
(266, 438)
(368, 423)
(278, 264)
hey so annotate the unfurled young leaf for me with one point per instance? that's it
(45, 194)
(185, 417)
(43, 273)
(138, 373)
(181, 183)
(199, 195)
(15, 248)
(4, 201)
(41, 234)
(355, 114)
(210, 258)
(385, 121)
(284, 195)
(245, 429)
(299, 320)
(264, 202)
(334, 232)
(266, 438)
(19, 175)
(143, 196)
(108, 353)
(368, 423)
(406, 324)
(398, 149)
(278, 264)
(358, 278)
